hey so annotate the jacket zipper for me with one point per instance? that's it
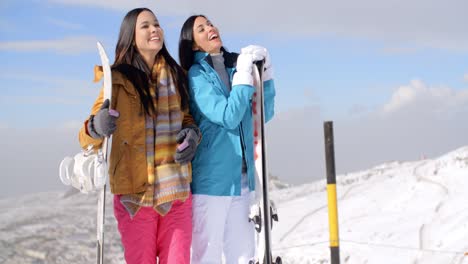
(243, 145)
(241, 133)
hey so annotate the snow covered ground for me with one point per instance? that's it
(395, 213)
(398, 212)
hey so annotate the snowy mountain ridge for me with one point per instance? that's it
(454, 159)
(412, 212)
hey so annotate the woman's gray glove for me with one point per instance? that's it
(188, 139)
(103, 124)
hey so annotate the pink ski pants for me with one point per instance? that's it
(149, 236)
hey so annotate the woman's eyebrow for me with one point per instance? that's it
(148, 22)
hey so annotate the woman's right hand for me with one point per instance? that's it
(260, 53)
(103, 124)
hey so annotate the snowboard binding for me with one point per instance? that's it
(256, 216)
(278, 260)
(86, 171)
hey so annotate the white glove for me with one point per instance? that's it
(243, 74)
(260, 53)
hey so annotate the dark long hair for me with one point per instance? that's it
(186, 42)
(130, 62)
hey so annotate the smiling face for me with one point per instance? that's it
(149, 36)
(206, 36)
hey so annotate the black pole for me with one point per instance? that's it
(331, 191)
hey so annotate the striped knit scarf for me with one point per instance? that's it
(169, 181)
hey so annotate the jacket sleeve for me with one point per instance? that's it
(213, 104)
(188, 119)
(269, 99)
(189, 122)
(83, 136)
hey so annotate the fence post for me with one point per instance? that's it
(331, 191)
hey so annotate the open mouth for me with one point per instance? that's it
(214, 36)
(154, 38)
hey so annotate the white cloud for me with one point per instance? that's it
(418, 118)
(42, 100)
(400, 49)
(404, 95)
(54, 90)
(67, 45)
(465, 77)
(59, 83)
(114, 4)
(296, 140)
(64, 24)
(419, 97)
(422, 23)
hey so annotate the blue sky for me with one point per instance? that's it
(361, 62)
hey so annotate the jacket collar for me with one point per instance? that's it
(230, 58)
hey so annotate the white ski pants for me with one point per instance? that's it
(221, 225)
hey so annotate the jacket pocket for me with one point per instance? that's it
(208, 137)
(118, 166)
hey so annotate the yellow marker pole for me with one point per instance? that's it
(331, 191)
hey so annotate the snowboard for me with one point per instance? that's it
(263, 211)
(105, 150)
(87, 171)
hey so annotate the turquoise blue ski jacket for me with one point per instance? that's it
(225, 120)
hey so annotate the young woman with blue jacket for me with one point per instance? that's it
(223, 184)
